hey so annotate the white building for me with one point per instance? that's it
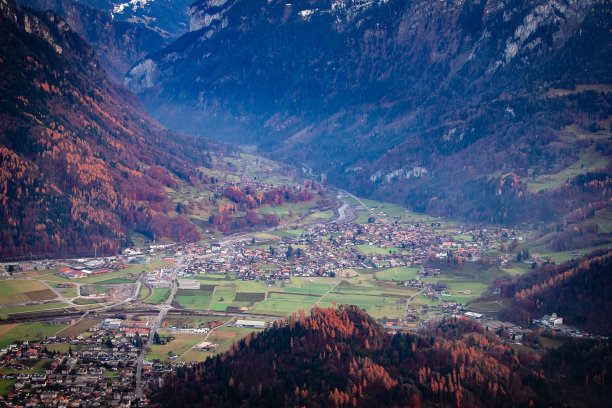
(256, 324)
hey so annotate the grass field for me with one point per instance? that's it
(401, 273)
(65, 292)
(78, 328)
(22, 291)
(377, 305)
(27, 331)
(117, 281)
(319, 216)
(194, 299)
(34, 367)
(362, 217)
(159, 295)
(316, 286)
(92, 290)
(589, 160)
(178, 346)
(31, 308)
(192, 321)
(60, 347)
(223, 297)
(287, 233)
(5, 386)
(224, 337)
(374, 250)
(281, 307)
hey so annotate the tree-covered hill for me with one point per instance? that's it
(342, 358)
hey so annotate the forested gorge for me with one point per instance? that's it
(342, 358)
(80, 164)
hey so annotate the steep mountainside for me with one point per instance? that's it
(342, 358)
(119, 42)
(432, 104)
(579, 290)
(80, 164)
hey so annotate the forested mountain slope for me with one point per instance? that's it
(80, 164)
(342, 358)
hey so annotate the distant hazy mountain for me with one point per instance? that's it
(433, 104)
(81, 166)
(121, 33)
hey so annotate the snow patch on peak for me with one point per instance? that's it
(136, 4)
(306, 13)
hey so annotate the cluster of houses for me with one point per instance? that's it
(96, 370)
(325, 250)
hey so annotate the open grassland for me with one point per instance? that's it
(287, 233)
(389, 210)
(180, 344)
(490, 308)
(317, 286)
(27, 331)
(194, 299)
(223, 337)
(589, 160)
(22, 291)
(60, 347)
(282, 307)
(223, 297)
(68, 293)
(563, 256)
(193, 321)
(79, 328)
(33, 367)
(399, 274)
(92, 290)
(5, 386)
(159, 295)
(5, 311)
(362, 217)
(374, 250)
(319, 216)
(294, 212)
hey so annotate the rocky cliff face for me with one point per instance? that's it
(121, 33)
(369, 91)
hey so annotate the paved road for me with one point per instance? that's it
(163, 309)
(408, 304)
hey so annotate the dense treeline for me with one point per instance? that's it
(579, 290)
(342, 358)
(80, 164)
